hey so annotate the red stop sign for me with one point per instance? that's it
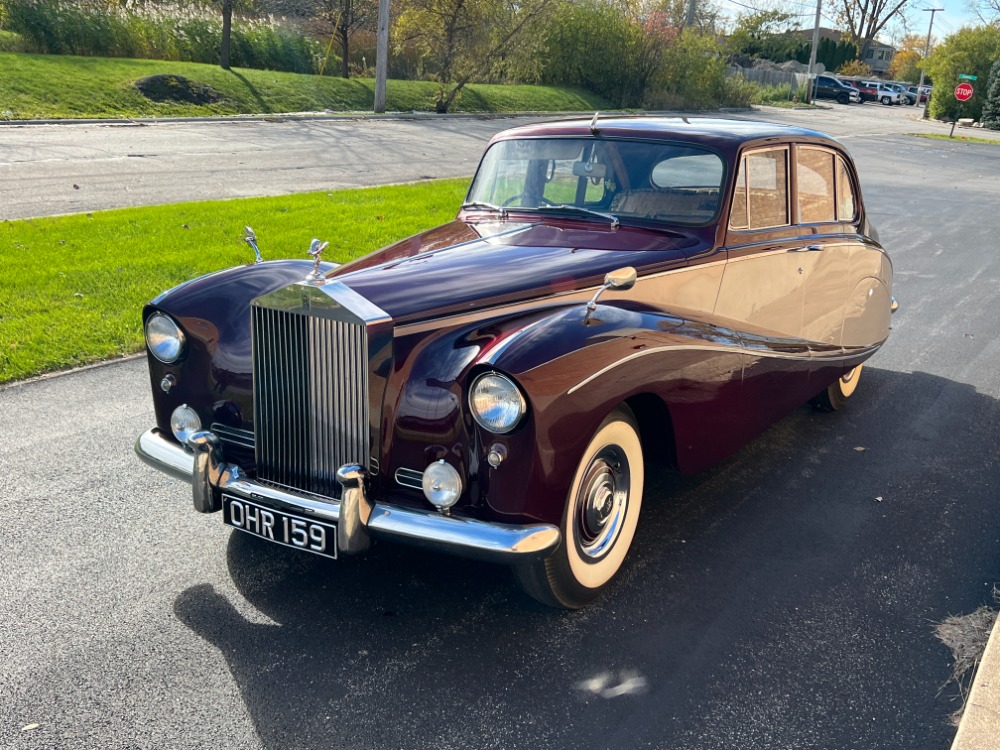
(963, 92)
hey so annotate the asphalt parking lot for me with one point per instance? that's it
(784, 599)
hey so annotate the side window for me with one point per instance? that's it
(846, 206)
(814, 185)
(767, 186)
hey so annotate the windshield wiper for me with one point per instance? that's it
(486, 206)
(579, 209)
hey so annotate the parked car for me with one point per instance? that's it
(828, 87)
(886, 94)
(913, 92)
(908, 98)
(612, 293)
(867, 91)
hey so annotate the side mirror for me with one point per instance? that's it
(623, 279)
(620, 279)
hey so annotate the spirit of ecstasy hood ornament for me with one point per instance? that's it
(316, 249)
(251, 239)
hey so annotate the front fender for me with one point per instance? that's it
(575, 371)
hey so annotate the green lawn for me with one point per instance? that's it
(73, 287)
(62, 86)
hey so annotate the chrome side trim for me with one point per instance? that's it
(465, 537)
(757, 352)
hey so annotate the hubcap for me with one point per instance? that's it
(602, 503)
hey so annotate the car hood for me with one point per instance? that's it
(463, 265)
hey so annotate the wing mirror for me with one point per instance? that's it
(621, 279)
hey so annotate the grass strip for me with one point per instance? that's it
(957, 138)
(63, 86)
(73, 287)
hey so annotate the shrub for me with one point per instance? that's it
(855, 68)
(691, 75)
(599, 47)
(72, 28)
(970, 50)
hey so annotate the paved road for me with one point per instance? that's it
(785, 599)
(54, 169)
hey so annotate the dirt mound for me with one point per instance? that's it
(171, 88)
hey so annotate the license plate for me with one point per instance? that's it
(281, 528)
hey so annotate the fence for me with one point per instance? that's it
(770, 77)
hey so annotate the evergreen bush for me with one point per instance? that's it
(991, 108)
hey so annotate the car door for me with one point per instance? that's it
(826, 210)
(762, 294)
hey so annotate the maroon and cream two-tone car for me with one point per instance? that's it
(613, 292)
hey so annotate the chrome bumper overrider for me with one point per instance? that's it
(355, 515)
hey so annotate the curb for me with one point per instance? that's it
(12, 384)
(354, 117)
(979, 728)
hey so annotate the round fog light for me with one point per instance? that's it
(442, 485)
(184, 422)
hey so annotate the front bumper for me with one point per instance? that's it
(355, 515)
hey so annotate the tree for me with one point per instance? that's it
(462, 39)
(991, 109)
(338, 18)
(987, 10)
(855, 69)
(763, 34)
(864, 19)
(905, 66)
(970, 50)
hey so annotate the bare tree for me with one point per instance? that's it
(864, 19)
(987, 10)
(464, 38)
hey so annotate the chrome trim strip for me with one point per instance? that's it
(728, 349)
(466, 537)
(410, 478)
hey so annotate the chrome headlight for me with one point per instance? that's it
(184, 422)
(496, 402)
(164, 338)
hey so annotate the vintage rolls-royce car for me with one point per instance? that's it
(613, 292)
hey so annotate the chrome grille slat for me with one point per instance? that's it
(310, 397)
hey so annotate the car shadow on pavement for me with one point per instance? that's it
(812, 564)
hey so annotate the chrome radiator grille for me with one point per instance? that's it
(310, 398)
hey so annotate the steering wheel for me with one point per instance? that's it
(541, 199)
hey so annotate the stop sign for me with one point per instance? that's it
(963, 92)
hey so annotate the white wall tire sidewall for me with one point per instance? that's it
(593, 575)
(848, 387)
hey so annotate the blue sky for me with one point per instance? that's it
(956, 15)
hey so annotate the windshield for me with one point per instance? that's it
(660, 182)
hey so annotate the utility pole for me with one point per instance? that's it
(927, 51)
(381, 55)
(812, 53)
(689, 21)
